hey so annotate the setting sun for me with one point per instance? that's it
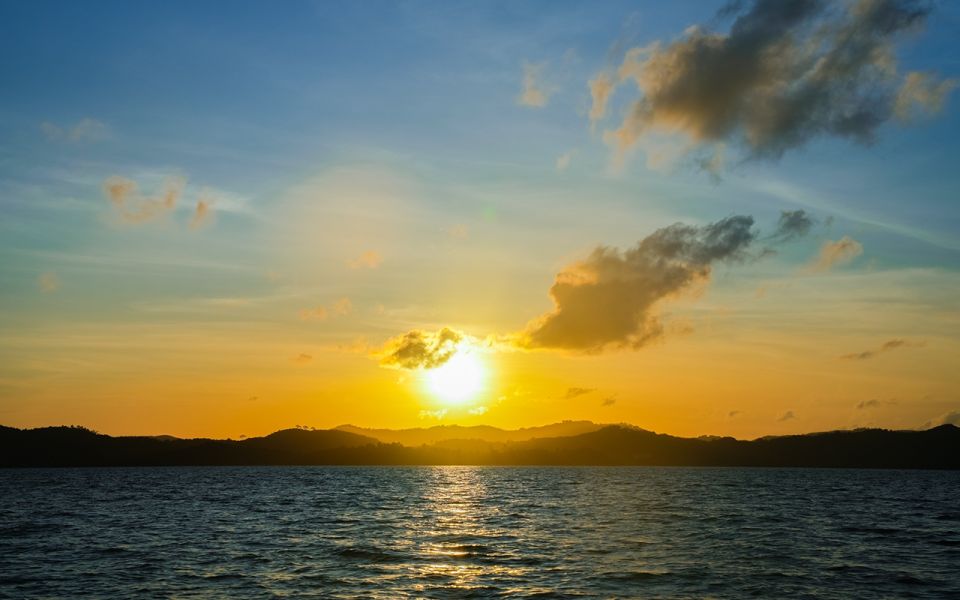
(458, 380)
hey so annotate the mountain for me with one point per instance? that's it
(937, 448)
(441, 433)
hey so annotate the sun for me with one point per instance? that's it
(459, 379)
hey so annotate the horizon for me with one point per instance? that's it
(708, 219)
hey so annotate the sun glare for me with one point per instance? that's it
(459, 379)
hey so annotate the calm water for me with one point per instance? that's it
(465, 532)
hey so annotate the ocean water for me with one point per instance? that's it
(478, 532)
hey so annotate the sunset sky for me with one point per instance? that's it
(223, 220)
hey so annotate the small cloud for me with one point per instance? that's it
(577, 391)
(864, 404)
(734, 413)
(921, 94)
(601, 87)
(563, 161)
(433, 414)
(477, 411)
(419, 349)
(201, 214)
(318, 313)
(133, 207)
(885, 347)
(533, 93)
(48, 282)
(342, 307)
(609, 401)
(458, 232)
(787, 416)
(302, 359)
(792, 224)
(85, 130)
(835, 253)
(370, 259)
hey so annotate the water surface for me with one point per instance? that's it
(478, 532)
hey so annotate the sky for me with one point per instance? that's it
(698, 218)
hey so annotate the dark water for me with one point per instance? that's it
(465, 532)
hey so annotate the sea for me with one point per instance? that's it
(478, 532)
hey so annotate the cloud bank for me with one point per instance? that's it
(787, 72)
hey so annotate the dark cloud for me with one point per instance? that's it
(577, 391)
(885, 347)
(787, 416)
(792, 224)
(609, 298)
(787, 72)
(421, 349)
(864, 404)
(734, 413)
(609, 401)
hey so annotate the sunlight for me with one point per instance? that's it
(459, 379)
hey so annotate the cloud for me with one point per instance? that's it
(419, 349)
(734, 413)
(885, 347)
(201, 214)
(787, 416)
(318, 313)
(563, 161)
(341, 307)
(792, 224)
(131, 206)
(302, 359)
(370, 259)
(609, 401)
(951, 418)
(477, 411)
(835, 253)
(787, 72)
(533, 93)
(577, 391)
(864, 404)
(48, 282)
(433, 414)
(85, 130)
(608, 299)
(601, 87)
(921, 94)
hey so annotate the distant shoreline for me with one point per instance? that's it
(611, 445)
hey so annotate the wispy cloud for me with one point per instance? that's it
(371, 259)
(787, 416)
(885, 347)
(563, 161)
(342, 307)
(133, 207)
(302, 359)
(787, 72)
(85, 130)
(833, 253)
(575, 392)
(533, 93)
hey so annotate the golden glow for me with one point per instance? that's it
(458, 380)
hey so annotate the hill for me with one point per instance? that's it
(937, 448)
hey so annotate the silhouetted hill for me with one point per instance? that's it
(937, 448)
(440, 433)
